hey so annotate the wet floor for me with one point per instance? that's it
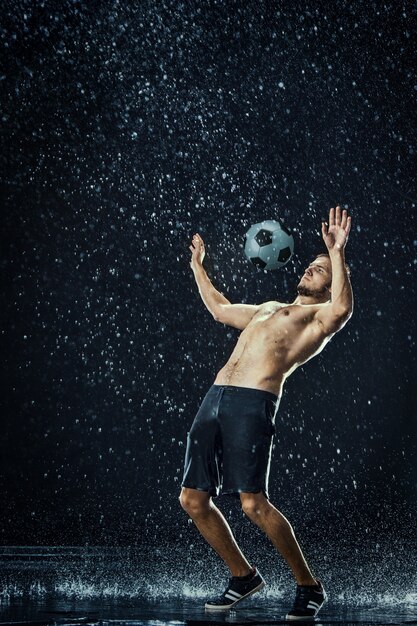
(88, 585)
(55, 610)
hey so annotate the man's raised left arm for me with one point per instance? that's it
(334, 316)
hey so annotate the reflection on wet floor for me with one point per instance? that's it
(73, 585)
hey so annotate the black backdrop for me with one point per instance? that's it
(127, 128)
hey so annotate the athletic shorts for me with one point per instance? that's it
(230, 441)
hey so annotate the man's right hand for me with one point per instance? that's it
(198, 251)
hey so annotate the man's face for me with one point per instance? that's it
(317, 278)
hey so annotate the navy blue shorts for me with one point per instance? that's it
(230, 441)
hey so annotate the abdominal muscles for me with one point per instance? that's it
(257, 361)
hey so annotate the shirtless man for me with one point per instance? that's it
(230, 441)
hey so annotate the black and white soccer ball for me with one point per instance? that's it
(269, 244)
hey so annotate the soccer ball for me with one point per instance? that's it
(269, 244)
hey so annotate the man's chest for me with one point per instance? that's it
(281, 318)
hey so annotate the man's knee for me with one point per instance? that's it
(253, 504)
(194, 502)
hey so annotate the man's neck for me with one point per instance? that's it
(310, 300)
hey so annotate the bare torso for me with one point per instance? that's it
(278, 339)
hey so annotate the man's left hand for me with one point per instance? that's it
(336, 234)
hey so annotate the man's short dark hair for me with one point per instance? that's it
(328, 256)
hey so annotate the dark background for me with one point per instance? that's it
(126, 128)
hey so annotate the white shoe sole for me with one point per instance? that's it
(226, 607)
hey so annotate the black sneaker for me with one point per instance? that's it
(239, 588)
(308, 601)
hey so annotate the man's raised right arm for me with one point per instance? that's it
(236, 315)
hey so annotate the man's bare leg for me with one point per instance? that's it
(280, 532)
(214, 528)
